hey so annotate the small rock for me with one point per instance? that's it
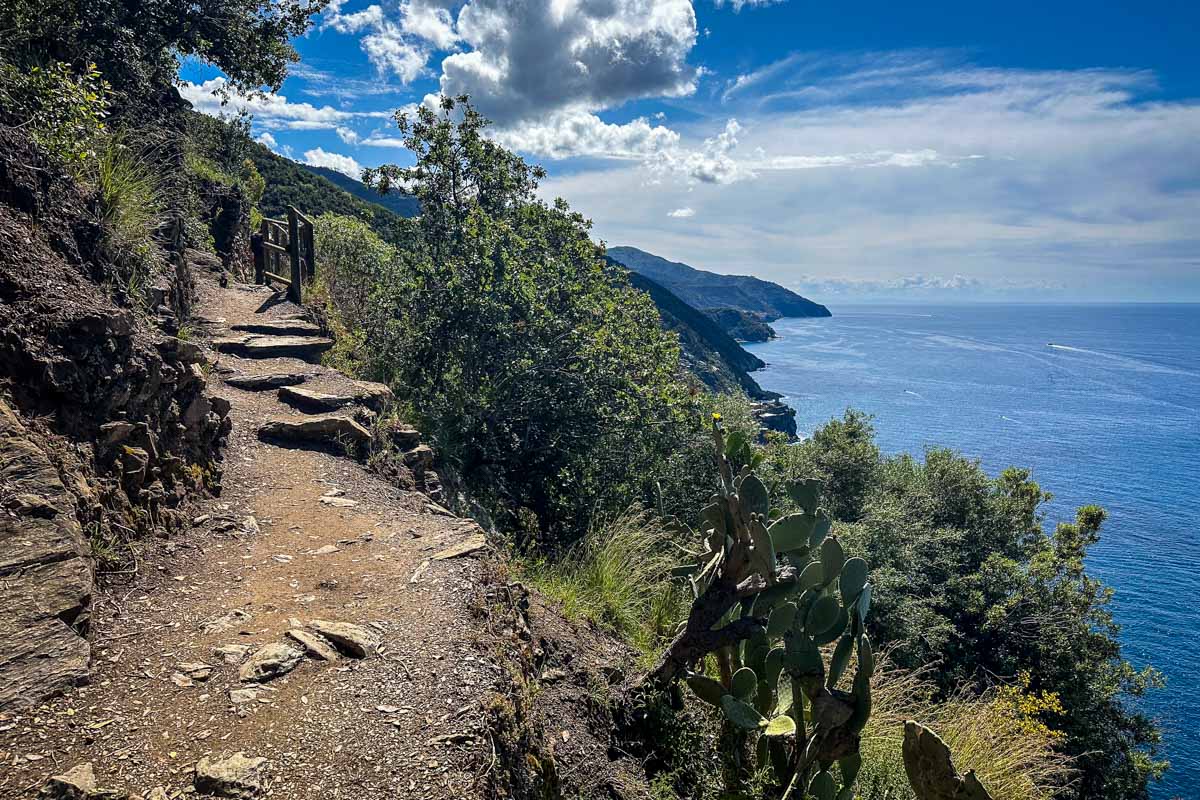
(239, 696)
(471, 544)
(324, 550)
(553, 675)
(232, 653)
(235, 776)
(225, 621)
(77, 783)
(181, 680)
(158, 793)
(250, 526)
(352, 640)
(338, 502)
(196, 670)
(316, 646)
(269, 662)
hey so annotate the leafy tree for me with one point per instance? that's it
(542, 374)
(137, 45)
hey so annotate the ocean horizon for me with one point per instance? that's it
(1100, 400)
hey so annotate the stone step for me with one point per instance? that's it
(315, 431)
(372, 395)
(259, 383)
(308, 348)
(279, 327)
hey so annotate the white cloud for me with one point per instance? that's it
(574, 133)
(273, 111)
(398, 43)
(909, 164)
(343, 164)
(682, 213)
(265, 138)
(347, 135)
(529, 57)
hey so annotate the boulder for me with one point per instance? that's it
(269, 662)
(316, 431)
(45, 576)
(373, 395)
(353, 640)
(258, 383)
(237, 775)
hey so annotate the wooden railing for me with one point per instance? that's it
(291, 240)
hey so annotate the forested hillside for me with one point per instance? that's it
(396, 202)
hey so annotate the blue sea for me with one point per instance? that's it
(1101, 401)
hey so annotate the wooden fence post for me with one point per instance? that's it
(310, 250)
(294, 252)
(260, 255)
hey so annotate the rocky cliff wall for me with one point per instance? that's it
(105, 425)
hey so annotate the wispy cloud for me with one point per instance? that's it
(682, 213)
(897, 165)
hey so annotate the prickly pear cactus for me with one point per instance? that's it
(793, 616)
(930, 771)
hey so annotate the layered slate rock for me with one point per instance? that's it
(372, 395)
(270, 661)
(279, 327)
(353, 640)
(307, 348)
(259, 383)
(45, 575)
(316, 431)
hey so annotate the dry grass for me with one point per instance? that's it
(1009, 750)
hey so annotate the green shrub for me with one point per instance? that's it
(353, 263)
(542, 375)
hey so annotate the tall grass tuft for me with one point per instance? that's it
(618, 576)
(998, 735)
(129, 203)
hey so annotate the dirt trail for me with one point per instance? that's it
(405, 723)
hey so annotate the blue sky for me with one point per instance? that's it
(874, 151)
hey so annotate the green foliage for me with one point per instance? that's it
(137, 46)
(542, 375)
(965, 577)
(770, 624)
(63, 109)
(354, 264)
